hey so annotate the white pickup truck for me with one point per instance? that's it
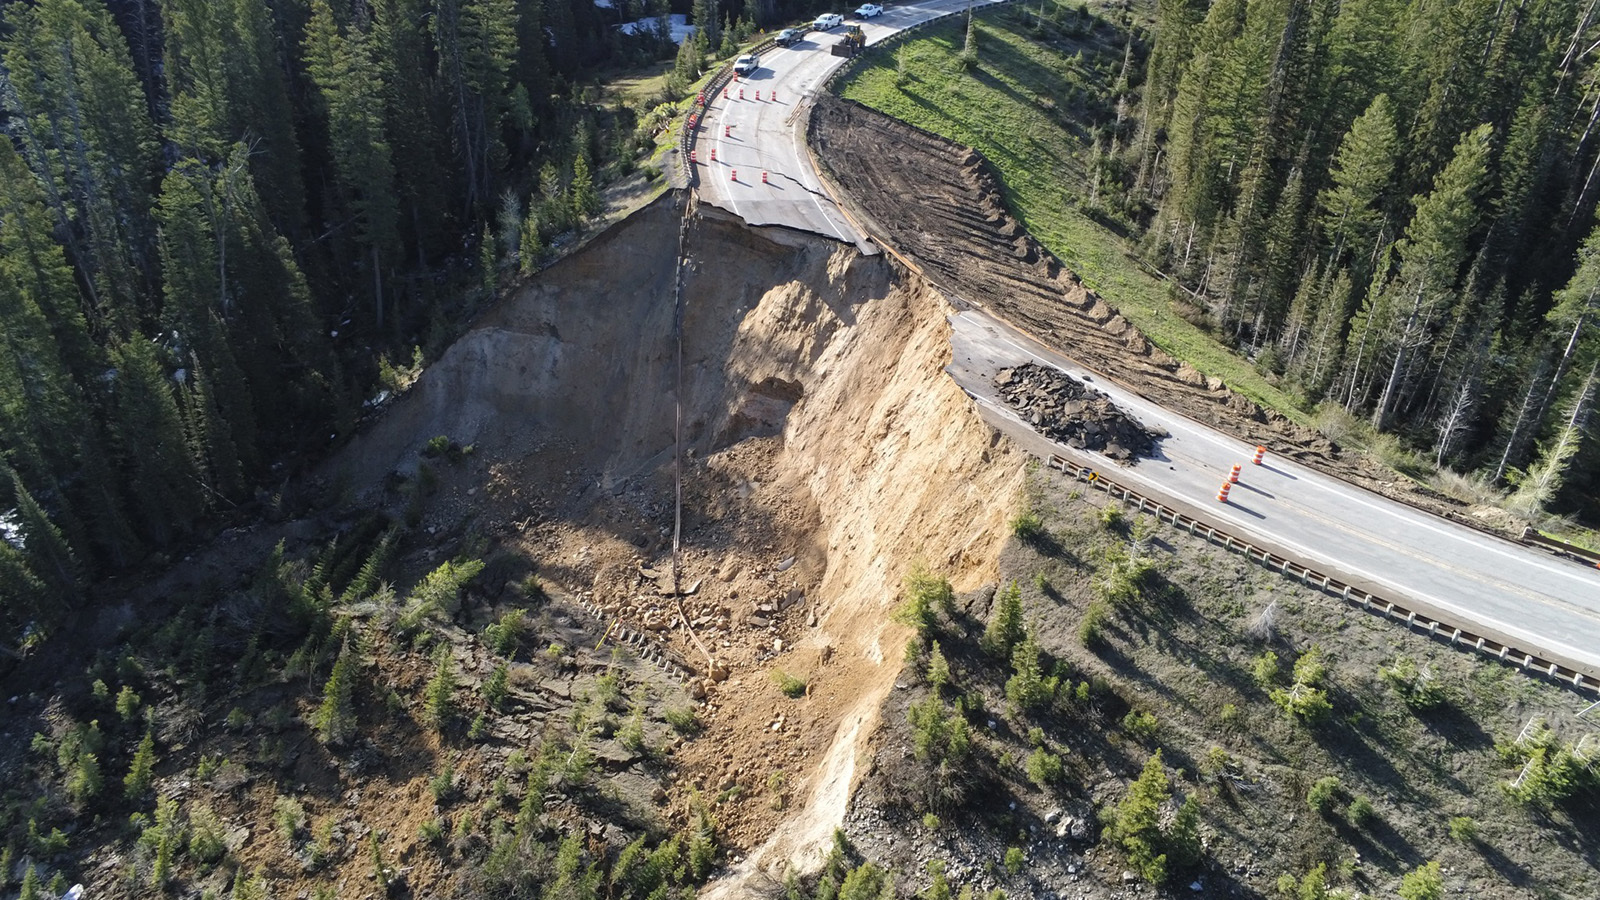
(827, 21)
(869, 11)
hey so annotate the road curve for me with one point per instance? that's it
(1544, 605)
(758, 129)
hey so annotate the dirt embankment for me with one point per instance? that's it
(940, 204)
(825, 452)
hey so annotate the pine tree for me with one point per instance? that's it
(44, 546)
(1005, 629)
(142, 770)
(347, 78)
(82, 124)
(336, 717)
(585, 203)
(1431, 255)
(1360, 173)
(411, 116)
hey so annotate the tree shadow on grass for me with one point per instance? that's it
(1377, 840)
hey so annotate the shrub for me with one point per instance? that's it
(1423, 883)
(1027, 526)
(1417, 686)
(439, 697)
(1015, 860)
(127, 704)
(1141, 725)
(1111, 516)
(1005, 629)
(1044, 768)
(792, 686)
(684, 720)
(142, 770)
(238, 719)
(931, 821)
(443, 785)
(1360, 812)
(1091, 628)
(289, 817)
(1324, 794)
(505, 635)
(1463, 829)
(1266, 671)
(1123, 578)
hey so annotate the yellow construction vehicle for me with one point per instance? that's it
(851, 43)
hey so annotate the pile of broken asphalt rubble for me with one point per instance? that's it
(1069, 412)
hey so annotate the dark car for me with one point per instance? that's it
(789, 37)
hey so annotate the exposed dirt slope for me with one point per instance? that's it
(826, 452)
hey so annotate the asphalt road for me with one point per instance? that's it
(759, 128)
(1545, 605)
(1542, 604)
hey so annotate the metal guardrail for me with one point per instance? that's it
(1369, 602)
(1560, 547)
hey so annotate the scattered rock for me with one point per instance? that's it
(1067, 411)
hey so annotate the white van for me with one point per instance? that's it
(827, 21)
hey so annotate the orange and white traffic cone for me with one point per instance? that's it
(758, 95)
(691, 157)
(1222, 495)
(727, 131)
(713, 154)
(741, 93)
(1233, 477)
(1260, 452)
(763, 178)
(734, 176)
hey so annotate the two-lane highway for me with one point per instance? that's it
(757, 127)
(1542, 604)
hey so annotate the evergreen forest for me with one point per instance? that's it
(1390, 205)
(218, 218)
